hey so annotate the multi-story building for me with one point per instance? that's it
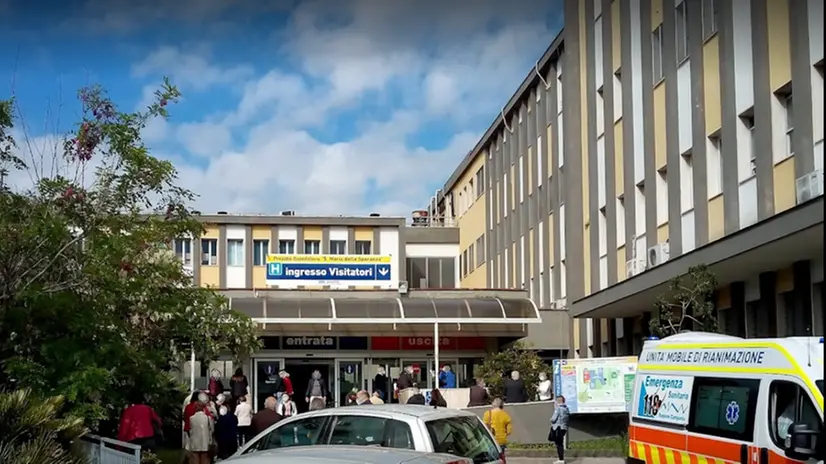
(348, 295)
(654, 135)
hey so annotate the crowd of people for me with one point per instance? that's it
(216, 422)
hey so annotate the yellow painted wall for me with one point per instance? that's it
(660, 157)
(724, 297)
(711, 85)
(584, 186)
(512, 187)
(576, 336)
(514, 263)
(362, 234)
(472, 223)
(616, 36)
(780, 62)
(619, 165)
(529, 169)
(716, 226)
(209, 274)
(498, 205)
(784, 185)
(586, 257)
(312, 233)
(261, 233)
(210, 231)
(656, 13)
(549, 141)
(621, 263)
(785, 280)
(477, 278)
(259, 277)
(662, 233)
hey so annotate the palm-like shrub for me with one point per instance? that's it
(32, 431)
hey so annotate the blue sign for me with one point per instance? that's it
(328, 271)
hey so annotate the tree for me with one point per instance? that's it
(688, 305)
(94, 306)
(498, 366)
(31, 431)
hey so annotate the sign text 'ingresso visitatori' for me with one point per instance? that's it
(329, 269)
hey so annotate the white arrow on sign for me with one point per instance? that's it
(383, 271)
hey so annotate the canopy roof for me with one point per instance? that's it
(273, 310)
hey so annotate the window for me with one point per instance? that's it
(183, 250)
(338, 247)
(714, 165)
(303, 432)
(363, 247)
(681, 26)
(657, 54)
(312, 247)
(286, 247)
(709, 10)
(480, 182)
(366, 431)
(465, 437)
(260, 250)
(789, 106)
(480, 250)
(209, 251)
(724, 407)
(748, 122)
(235, 252)
(790, 404)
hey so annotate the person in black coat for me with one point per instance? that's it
(238, 384)
(515, 391)
(381, 382)
(416, 398)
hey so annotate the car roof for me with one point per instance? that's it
(412, 411)
(343, 454)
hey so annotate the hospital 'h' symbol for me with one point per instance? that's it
(276, 269)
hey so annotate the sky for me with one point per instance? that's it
(323, 107)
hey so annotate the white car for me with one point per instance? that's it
(327, 454)
(401, 426)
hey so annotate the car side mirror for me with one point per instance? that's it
(802, 442)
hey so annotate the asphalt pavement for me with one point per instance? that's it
(516, 460)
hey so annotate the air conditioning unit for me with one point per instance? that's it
(560, 304)
(288, 213)
(658, 254)
(634, 267)
(809, 186)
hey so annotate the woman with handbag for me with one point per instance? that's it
(559, 427)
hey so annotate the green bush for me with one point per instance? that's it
(498, 366)
(32, 431)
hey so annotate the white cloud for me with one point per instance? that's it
(192, 71)
(455, 63)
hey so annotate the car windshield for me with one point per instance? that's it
(464, 437)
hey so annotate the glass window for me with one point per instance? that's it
(358, 430)
(709, 10)
(790, 404)
(724, 407)
(657, 54)
(209, 251)
(286, 247)
(312, 247)
(260, 250)
(235, 252)
(397, 435)
(363, 247)
(465, 437)
(338, 247)
(681, 17)
(183, 250)
(304, 432)
(480, 182)
(789, 104)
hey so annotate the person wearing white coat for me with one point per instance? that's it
(544, 389)
(243, 411)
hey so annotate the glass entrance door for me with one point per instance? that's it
(265, 380)
(349, 377)
(421, 371)
(453, 363)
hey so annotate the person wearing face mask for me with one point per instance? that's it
(543, 389)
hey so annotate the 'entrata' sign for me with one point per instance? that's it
(317, 343)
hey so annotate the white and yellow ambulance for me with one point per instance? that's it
(702, 398)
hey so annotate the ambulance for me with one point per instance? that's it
(704, 398)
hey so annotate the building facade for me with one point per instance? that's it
(656, 134)
(347, 296)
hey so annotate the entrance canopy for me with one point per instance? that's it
(273, 310)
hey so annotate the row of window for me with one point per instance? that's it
(260, 250)
(727, 408)
(681, 31)
(472, 257)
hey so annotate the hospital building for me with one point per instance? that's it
(649, 137)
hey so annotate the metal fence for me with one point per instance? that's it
(101, 450)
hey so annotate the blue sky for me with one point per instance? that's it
(321, 106)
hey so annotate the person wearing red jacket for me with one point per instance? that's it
(139, 425)
(288, 384)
